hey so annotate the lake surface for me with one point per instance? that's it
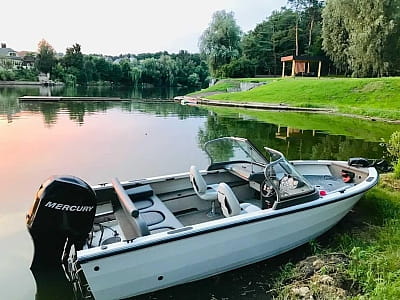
(141, 138)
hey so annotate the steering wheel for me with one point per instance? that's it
(268, 193)
(267, 189)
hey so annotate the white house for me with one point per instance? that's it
(9, 58)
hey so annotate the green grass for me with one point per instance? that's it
(221, 87)
(375, 252)
(374, 249)
(374, 97)
(367, 243)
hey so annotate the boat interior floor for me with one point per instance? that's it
(327, 182)
(197, 217)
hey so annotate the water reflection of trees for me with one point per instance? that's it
(121, 92)
(295, 144)
(9, 104)
(78, 110)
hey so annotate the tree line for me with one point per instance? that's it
(155, 69)
(358, 37)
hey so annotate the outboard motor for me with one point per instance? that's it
(62, 215)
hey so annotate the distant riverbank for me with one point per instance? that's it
(35, 83)
(373, 98)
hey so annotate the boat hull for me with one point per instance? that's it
(206, 250)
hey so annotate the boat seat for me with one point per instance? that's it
(141, 212)
(153, 211)
(129, 219)
(204, 191)
(230, 205)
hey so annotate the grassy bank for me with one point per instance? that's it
(373, 97)
(359, 260)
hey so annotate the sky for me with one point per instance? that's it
(121, 26)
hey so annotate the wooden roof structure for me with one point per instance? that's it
(299, 64)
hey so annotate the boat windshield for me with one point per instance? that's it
(284, 178)
(232, 149)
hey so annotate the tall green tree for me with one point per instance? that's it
(361, 35)
(168, 70)
(126, 70)
(308, 18)
(335, 33)
(270, 40)
(45, 60)
(220, 42)
(73, 62)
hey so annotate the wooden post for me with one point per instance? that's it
(293, 68)
(283, 69)
(319, 69)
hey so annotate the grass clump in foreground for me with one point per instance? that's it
(361, 260)
(373, 97)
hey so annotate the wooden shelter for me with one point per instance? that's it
(301, 64)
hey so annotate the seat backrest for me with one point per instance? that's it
(228, 201)
(198, 182)
(131, 222)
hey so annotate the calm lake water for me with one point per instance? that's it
(142, 138)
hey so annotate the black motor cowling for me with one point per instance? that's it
(62, 215)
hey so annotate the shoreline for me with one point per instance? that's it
(28, 83)
(279, 107)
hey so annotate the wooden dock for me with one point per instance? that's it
(61, 98)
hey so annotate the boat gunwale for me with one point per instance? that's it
(239, 220)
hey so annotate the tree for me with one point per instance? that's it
(89, 69)
(220, 42)
(270, 40)
(361, 35)
(335, 34)
(126, 70)
(168, 70)
(308, 12)
(73, 62)
(45, 60)
(73, 57)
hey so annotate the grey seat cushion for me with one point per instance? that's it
(143, 204)
(152, 217)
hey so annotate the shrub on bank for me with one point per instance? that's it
(394, 149)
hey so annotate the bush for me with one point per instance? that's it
(394, 144)
(397, 170)
(26, 74)
(7, 75)
(238, 68)
(393, 148)
(194, 79)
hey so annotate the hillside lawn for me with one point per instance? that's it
(371, 97)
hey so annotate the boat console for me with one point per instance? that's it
(275, 178)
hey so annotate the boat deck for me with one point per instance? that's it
(327, 182)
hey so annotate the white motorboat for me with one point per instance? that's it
(129, 238)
